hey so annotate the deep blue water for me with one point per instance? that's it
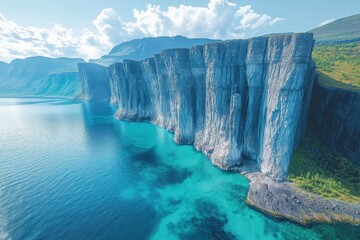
(69, 170)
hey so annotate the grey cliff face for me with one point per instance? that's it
(335, 118)
(232, 100)
(94, 82)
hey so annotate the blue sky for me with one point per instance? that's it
(89, 29)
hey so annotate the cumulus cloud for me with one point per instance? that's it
(326, 22)
(18, 41)
(220, 19)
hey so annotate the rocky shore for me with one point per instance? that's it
(283, 200)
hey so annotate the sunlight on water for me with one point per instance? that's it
(69, 170)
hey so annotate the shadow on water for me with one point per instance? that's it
(91, 110)
(147, 156)
(99, 125)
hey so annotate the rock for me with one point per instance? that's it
(138, 49)
(234, 100)
(94, 82)
(335, 117)
(303, 208)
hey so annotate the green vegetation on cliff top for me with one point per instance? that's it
(338, 65)
(316, 169)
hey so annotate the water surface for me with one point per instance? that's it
(69, 170)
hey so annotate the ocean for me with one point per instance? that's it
(70, 170)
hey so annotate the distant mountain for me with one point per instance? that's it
(147, 47)
(34, 68)
(3, 68)
(59, 76)
(57, 84)
(339, 31)
(337, 52)
(2, 64)
(27, 76)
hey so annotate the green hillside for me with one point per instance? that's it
(316, 169)
(338, 65)
(344, 29)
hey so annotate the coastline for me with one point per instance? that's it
(283, 200)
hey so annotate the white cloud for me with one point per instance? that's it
(326, 22)
(276, 20)
(219, 19)
(18, 41)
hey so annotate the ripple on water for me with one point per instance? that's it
(69, 170)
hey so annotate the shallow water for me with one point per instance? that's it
(69, 170)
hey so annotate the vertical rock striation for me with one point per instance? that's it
(335, 118)
(94, 82)
(239, 99)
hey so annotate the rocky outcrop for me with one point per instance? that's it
(94, 82)
(239, 99)
(335, 118)
(138, 49)
(284, 200)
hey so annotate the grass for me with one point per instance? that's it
(316, 169)
(338, 65)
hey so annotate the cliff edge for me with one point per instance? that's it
(335, 117)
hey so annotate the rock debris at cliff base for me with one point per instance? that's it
(283, 200)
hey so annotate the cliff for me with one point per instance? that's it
(335, 118)
(94, 82)
(138, 49)
(239, 99)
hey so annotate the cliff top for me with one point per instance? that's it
(280, 41)
(138, 49)
(338, 65)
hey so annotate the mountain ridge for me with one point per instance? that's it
(142, 48)
(29, 76)
(342, 30)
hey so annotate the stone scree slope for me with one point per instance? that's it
(233, 100)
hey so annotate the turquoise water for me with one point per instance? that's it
(69, 170)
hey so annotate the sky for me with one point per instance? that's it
(89, 29)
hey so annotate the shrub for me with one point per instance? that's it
(316, 169)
